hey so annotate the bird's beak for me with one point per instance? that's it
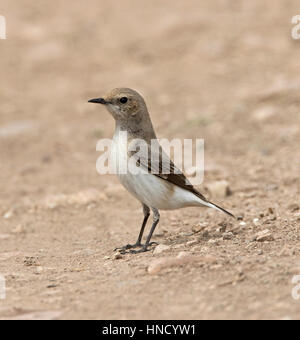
(98, 101)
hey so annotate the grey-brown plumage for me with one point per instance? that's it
(154, 188)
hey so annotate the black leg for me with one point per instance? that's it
(139, 240)
(146, 216)
(156, 217)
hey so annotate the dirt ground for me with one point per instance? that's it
(225, 71)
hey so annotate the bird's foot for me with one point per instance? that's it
(123, 249)
(130, 247)
(144, 248)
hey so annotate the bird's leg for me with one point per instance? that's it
(144, 248)
(138, 242)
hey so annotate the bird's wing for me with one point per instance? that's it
(154, 160)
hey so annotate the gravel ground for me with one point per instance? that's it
(224, 71)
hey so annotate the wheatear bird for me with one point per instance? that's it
(154, 188)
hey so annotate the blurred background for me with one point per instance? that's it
(221, 70)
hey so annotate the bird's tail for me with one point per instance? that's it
(214, 206)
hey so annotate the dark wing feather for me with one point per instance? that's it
(155, 161)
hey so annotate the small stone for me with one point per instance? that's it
(264, 236)
(38, 270)
(191, 243)
(256, 221)
(222, 227)
(117, 256)
(228, 235)
(260, 252)
(8, 214)
(213, 241)
(242, 224)
(52, 285)
(219, 188)
(199, 227)
(160, 249)
(31, 261)
(270, 210)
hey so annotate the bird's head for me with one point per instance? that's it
(124, 104)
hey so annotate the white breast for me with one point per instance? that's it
(147, 188)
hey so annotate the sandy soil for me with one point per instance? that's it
(224, 71)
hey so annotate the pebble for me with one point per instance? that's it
(117, 256)
(256, 221)
(212, 241)
(228, 235)
(160, 249)
(31, 261)
(38, 270)
(264, 236)
(8, 214)
(199, 227)
(192, 243)
(219, 188)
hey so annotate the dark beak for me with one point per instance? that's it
(98, 101)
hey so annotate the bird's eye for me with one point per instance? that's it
(123, 100)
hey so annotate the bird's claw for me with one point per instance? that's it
(123, 249)
(142, 250)
(130, 247)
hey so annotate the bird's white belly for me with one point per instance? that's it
(157, 193)
(148, 188)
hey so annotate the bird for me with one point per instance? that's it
(154, 188)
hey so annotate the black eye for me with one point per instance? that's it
(123, 100)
